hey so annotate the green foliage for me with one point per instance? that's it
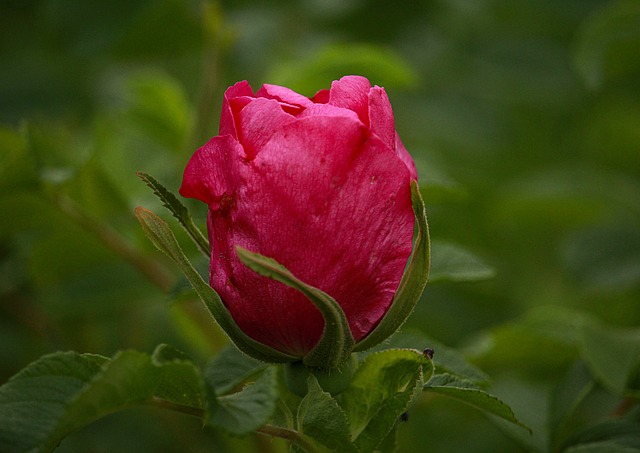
(467, 392)
(64, 391)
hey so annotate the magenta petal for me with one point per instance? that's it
(321, 97)
(258, 121)
(352, 92)
(381, 116)
(283, 94)
(236, 105)
(227, 123)
(328, 110)
(302, 203)
(210, 171)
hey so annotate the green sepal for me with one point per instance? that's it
(179, 211)
(336, 343)
(161, 236)
(412, 283)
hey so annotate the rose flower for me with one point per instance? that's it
(322, 185)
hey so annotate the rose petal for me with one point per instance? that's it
(227, 122)
(302, 202)
(321, 97)
(381, 116)
(352, 92)
(258, 121)
(236, 105)
(283, 94)
(327, 110)
(210, 171)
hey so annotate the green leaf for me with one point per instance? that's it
(385, 385)
(178, 379)
(229, 368)
(466, 392)
(34, 400)
(609, 43)
(179, 211)
(448, 380)
(336, 342)
(612, 355)
(453, 263)
(247, 410)
(445, 359)
(65, 391)
(412, 283)
(161, 236)
(321, 418)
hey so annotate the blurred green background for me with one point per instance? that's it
(524, 121)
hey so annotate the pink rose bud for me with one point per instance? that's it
(322, 186)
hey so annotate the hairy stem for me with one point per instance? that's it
(287, 434)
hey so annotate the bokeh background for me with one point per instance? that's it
(524, 121)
